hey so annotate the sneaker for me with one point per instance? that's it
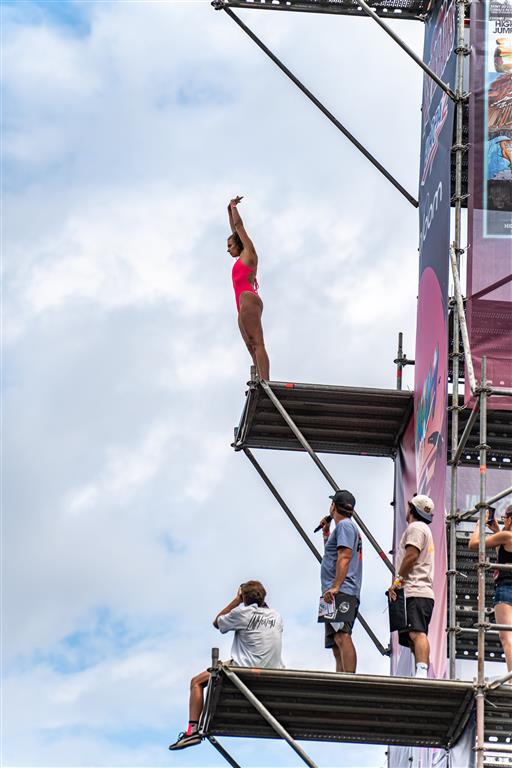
(187, 741)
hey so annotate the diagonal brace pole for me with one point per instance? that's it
(302, 440)
(488, 503)
(271, 720)
(219, 4)
(467, 431)
(291, 517)
(430, 72)
(462, 321)
(500, 681)
(384, 651)
(225, 754)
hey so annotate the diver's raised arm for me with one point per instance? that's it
(239, 228)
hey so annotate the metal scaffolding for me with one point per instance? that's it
(337, 707)
(478, 415)
(345, 420)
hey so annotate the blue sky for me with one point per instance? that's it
(128, 520)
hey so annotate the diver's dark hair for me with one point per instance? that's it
(237, 240)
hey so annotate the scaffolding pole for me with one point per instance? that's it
(398, 40)
(220, 5)
(225, 754)
(452, 555)
(489, 502)
(470, 371)
(401, 361)
(458, 307)
(284, 506)
(263, 711)
(302, 440)
(500, 681)
(480, 683)
(467, 429)
(302, 533)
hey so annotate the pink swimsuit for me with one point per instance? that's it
(240, 275)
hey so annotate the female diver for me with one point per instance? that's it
(248, 303)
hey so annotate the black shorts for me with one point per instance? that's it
(419, 613)
(346, 628)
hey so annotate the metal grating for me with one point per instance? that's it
(336, 707)
(499, 438)
(367, 422)
(395, 9)
(467, 610)
(498, 718)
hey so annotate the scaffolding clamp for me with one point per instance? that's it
(458, 198)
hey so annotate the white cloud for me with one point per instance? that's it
(126, 371)
(126, 470)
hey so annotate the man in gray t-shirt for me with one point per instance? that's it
(256, 643)
(341, 571)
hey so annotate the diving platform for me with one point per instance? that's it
(395, 9)
(338, 707)
(351, 420)
(360, 421)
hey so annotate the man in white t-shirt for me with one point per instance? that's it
(257, 643)
(415, 575)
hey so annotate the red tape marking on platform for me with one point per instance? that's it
(289, 386)
(483, 470)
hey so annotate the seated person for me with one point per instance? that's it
(257, 643)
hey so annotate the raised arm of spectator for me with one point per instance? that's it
(493, 540)
(229, 607)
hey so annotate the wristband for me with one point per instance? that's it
(399, 580)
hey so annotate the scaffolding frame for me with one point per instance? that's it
(338, 707)
(481, 392)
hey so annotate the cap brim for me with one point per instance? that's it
(423, 515)
(331, 497)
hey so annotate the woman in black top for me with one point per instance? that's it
(502, 540)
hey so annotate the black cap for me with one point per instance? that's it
(344, 498)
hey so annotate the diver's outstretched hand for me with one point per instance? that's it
(235, 200)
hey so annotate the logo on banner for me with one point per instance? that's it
(432, 140)
(429, 427)
(441, 48)
(428, 212)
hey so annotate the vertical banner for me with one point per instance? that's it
(430, 384)
(489, 286)
(420, 465)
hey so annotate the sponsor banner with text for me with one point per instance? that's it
(489, 279)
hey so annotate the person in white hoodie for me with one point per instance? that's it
(415, 575)
(257, 643)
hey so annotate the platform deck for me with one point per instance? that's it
(333, 419)
(396, 9)
(322, 706)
